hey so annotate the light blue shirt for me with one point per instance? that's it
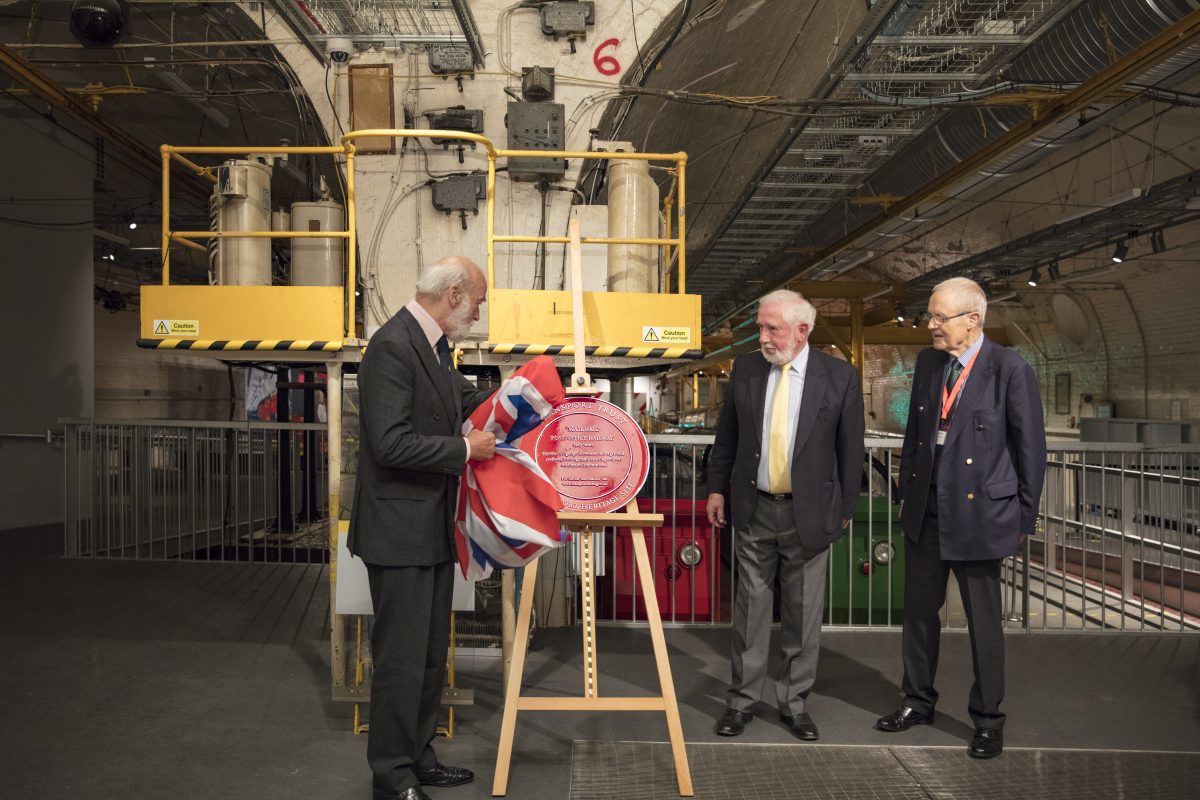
(796, 369)
(964, 359)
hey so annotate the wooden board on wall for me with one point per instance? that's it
(372, 105)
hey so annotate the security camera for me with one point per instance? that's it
(339, 49)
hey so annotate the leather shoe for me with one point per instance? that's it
(801, 726)
(412, 793)
(902, 719)
(733, 722)
(442, 775)
(988, 743)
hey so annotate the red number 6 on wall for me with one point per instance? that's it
(606, 65)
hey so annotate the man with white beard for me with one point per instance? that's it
(789, 456)
(411, 453)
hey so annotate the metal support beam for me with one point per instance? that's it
(142, 159)
(857, 351)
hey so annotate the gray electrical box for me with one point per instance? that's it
(451, 60)
(568, 18)
(460, 193)
(536, 126)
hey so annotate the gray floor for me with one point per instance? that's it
(164, 680)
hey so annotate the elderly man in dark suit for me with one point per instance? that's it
(971, 480)
(789, 453)
(412, 404)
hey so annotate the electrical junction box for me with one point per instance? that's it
(459, 193)
(568, 18)
(457, 118)
(536, 126)
(451, 60)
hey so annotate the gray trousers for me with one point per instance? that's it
(767, 546)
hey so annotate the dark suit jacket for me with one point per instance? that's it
(989, 480)
(411, 450)
(827, 459)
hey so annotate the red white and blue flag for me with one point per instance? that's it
(507, 507)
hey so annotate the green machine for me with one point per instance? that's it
(865, 583)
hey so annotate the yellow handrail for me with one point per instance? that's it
(347, 149)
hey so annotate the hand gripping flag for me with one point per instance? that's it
(507, 505)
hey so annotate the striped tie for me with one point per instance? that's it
(778, 471)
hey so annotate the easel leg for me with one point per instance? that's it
(674, 727)
(512, 692)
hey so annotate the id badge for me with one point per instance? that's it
(941, 438)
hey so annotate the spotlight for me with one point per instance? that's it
(1034, 277)
(900, 317)
(98, 23)
(132, 226)
(1119, 253)
(1054, 271)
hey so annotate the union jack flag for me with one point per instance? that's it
(507, 507)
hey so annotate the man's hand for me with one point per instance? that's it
(482, 444)
(716, 510)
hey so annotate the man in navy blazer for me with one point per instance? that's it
(971, 481)
(790, 458)
(411, 452)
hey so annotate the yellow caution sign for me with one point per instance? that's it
(660, 333)
(176, 327)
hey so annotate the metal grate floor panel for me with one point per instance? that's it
(643, 770)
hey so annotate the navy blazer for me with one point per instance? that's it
(827, 457)
(989, 479)
(410, 450)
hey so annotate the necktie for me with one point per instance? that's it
(443, 351)
(956, 369)
(777, 458)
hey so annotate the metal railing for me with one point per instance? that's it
(1117, 545)
(203, 491)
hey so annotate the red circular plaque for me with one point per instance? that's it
(593, 453)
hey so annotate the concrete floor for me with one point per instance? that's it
(192, 680)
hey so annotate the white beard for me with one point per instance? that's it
(459, 322)
(781, 356)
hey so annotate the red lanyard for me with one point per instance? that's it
(948, 397)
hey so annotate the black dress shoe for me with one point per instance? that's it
(801, 726)
(902, 719)
(733, 722)
(988, 743)
(442, 775)
(413, 793)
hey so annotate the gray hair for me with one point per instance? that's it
(968, 295)
(443, 275)
(795, 308)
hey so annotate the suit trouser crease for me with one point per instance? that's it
(409, 641)
(767, 546)
(925, 579)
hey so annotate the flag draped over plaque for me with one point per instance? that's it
(507, 507)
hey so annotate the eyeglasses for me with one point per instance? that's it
(938, 320)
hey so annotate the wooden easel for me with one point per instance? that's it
(584, 525)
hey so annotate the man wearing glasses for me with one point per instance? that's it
(971, 480)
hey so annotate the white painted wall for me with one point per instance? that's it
(45, 308)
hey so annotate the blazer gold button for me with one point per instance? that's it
(920, 408)
(970, 495)
(920, 444)
(969, 461)
(752, 483)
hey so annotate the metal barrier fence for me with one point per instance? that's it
(205, 491)
(1117, 546)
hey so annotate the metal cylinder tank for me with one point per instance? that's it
(242, 202)
(632, 214)
(281, 220)
(317, 261)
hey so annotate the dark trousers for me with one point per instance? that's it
(409, 640)
(925, 579)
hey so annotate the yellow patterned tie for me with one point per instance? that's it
(777, 465)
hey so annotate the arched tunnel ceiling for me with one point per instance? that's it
(767, 193)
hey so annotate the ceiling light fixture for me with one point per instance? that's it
(1054, 271)
(1119, 253)
(1158, 242)
(1034, 277)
